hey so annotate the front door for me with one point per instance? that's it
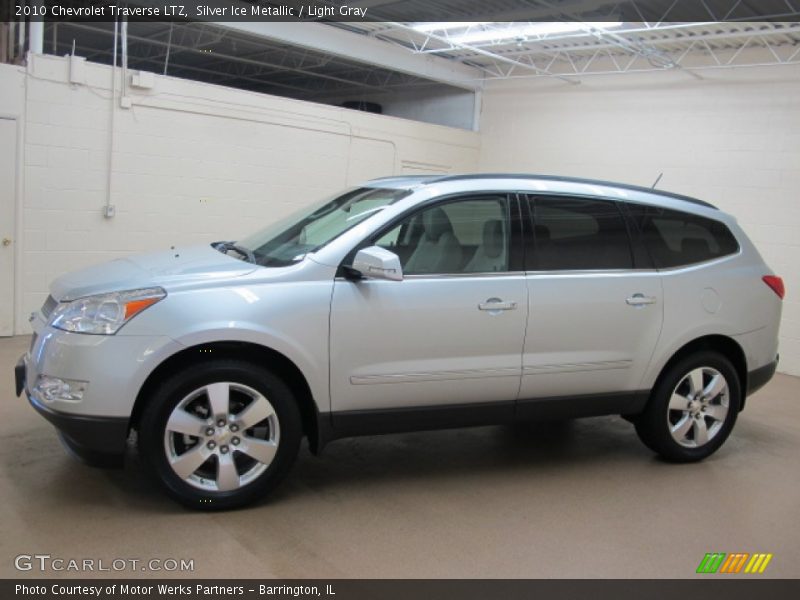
(452, 331)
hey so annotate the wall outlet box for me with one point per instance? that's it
(143, 80)
(77, 69)
(109, 211)
(125, 102)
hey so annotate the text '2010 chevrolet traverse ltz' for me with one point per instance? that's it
(409, 303)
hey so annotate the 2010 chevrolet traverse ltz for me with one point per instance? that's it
(409, 303)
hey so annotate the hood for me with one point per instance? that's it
(178, 265)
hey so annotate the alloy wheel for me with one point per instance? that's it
(221, 436)
(698, 407)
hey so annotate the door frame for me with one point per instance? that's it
(16, 222)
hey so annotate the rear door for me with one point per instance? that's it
(595, 309)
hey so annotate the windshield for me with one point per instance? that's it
(288, 241)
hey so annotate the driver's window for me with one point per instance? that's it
(463, 236)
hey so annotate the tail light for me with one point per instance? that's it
(776, 285)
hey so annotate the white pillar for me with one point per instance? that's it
(37, 37)
(21, 39)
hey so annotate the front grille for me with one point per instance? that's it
(48, 307)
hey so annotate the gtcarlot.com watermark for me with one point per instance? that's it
(46, 563)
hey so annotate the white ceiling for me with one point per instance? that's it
(325, 61)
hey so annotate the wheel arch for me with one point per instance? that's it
(723, 344)
(281, 365)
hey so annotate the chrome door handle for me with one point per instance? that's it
(640, 300)
(493, 304)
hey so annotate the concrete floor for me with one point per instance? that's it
(576, 499)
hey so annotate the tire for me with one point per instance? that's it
(683, 425)
(220, 435)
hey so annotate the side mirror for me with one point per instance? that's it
(377, 263)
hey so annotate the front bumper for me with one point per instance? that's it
(96, 441)
(111, 368)
(94, 428)
(19, 375)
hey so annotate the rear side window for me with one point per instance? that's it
(675, 238)
(579, 234)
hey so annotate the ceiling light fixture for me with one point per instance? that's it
(525, 30)
(446, 26)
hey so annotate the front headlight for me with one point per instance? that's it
(103, 314)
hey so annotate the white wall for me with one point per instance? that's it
(732, 139)
(12, 92)
(191, 163)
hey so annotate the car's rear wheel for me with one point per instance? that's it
(692, 409)
(220, 435)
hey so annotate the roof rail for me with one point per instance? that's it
(625, 186)
(402, 177)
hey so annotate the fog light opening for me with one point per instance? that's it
(50, 389)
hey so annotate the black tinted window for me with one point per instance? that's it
(579, 234)
(674, 238)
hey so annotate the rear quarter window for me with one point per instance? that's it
(676, 238)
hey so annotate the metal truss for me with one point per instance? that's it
(649, 40)
(603, 61)
(697, 54)
(599, 51)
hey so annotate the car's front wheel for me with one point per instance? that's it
(220, 434)
(692, 409)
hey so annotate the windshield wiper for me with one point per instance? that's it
(224, 247)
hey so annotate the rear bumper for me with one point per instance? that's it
(96, 441)
(758, 378)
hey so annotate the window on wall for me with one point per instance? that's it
(463, 236)
(675, 238)
(579, 234)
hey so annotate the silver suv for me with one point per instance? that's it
(409, 303)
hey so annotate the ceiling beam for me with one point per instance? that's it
(363, 49)
(496, 58)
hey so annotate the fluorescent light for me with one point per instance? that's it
(524, 30)
(446, 26)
